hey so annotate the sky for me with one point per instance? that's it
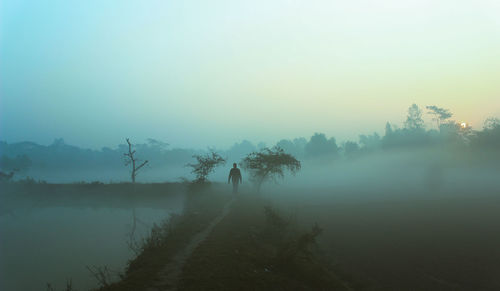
(211, 73)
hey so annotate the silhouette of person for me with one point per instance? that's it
(235, 177)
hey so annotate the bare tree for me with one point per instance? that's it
(130, 159)
(269, 164)
(440, 114)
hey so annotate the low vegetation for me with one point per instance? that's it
(269, 164)
(168, 238)
(256, 247)
(205, 165)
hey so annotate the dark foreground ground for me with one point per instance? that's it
(257, 247)
(415, 243)
(410, 243)
(251, 248)
(395, 243)
(270, 242)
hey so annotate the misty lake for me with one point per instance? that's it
(40, 245)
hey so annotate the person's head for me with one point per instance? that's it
(234, 165)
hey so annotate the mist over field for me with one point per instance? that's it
(260, 145)
(454, 154)
(413, 184)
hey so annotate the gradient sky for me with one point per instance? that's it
(210, 73)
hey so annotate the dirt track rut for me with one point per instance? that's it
(168, 277)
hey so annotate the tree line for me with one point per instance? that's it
(412, 134)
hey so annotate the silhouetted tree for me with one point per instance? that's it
(388, 129)
(242, 148)
(20, 162)
(440, 114)
(300, 143)
(261, 145)
(491, 123)
(295, 147)
(157, 145)
(58, 142)
(239, 150)
(410, 136)
(489, 137)
(458, 134)
(370, 142)
(206, 164)
(449, 132)
(319, 145)
(351, 149)
(4, 177)
(130, 159)
(269, 164)
(286, 144)
(414, 119)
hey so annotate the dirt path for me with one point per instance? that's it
(169, 275)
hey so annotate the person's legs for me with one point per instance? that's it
(235, 188)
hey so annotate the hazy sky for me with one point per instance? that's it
(209, 73)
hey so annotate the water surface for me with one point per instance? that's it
(55, 244)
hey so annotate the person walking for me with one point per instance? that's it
(235, 177)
